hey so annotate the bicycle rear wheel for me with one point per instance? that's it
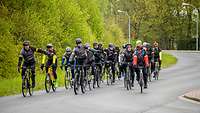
(47, 84)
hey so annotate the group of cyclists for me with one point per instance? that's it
(118, 60)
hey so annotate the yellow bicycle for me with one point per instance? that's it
(50, 80)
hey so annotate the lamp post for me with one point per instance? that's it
(197, 24)
(129, 24)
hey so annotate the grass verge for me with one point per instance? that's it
(168, 60)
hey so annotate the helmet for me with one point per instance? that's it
(128, 45)
(100, 44)
(68, 49)
(110, 45)
(155, 43)
(124, 46)
(95, 44)
(117, 48)
(49, 45)
(78, 41)
(145, 44)
(87, 45)
(26, 43)
(138, 42)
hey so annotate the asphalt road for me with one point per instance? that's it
(162, 96)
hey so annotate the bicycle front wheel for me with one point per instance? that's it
(129, 81)
(30, 88)
(67, 80)
(47, 84)
(24, 87)
(83, 82)
(76, 84)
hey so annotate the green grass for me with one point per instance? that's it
(168, 60)
(13, 86)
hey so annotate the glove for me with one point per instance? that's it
(42, 67)
(18, 69)
(61, 67)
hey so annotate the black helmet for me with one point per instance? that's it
(68, 49)
(78, 41)
(87, 46)
(124, 46)
(95, 44)
(26, 43)
(100, 44)
(49, 45)
(110, 45)
(117, 48)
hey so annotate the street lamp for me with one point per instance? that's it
(197, 23)
(129, 25)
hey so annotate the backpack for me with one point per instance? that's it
(111, 54)
(140, 57)
(128, 56)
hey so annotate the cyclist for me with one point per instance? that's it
(148, 49)
(98, 57)
(128, 58)
(110, 57)
(90, 56)
(117, 51)
(122, 61)
(65, 58)
(79, 54)
(142, 61)
(50, 53)
(157, 55)
(27, 54)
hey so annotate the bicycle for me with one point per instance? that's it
(90, 77)
(141, 80)
(26, 83)
(97, 75)
(156, 72)
(49, 80)
(108, 73)
(68, 78)
(127, 78)
(149, 73)
(80, 80)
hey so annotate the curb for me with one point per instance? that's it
(192, 98)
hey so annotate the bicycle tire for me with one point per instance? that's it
(47, 84)
(76, 83)
(129, 81)
(30, 88)
(83, 82)
(53, 86)
(24, 87)
(67, 80)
